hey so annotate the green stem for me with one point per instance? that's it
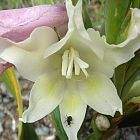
(58, 125)
(9, 78)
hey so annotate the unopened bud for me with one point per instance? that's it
(102, 123)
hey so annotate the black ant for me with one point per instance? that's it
(68, 120)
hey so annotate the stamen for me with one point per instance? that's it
(70, 67)
(65, 62)
(85, 72)
(71, 60)
(76, 66)
(81, 63)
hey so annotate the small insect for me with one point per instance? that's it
(68, 120)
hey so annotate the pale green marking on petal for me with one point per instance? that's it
(45, 96)
(73, 106)
(99, 92)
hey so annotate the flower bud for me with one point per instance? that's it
(102, 122)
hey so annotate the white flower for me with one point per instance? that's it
(74, 73)
(114, 55)
(136, 16)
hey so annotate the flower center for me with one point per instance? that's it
(71, 62)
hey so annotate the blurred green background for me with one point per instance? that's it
(8, 4)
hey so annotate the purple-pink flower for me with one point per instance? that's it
(17, 24)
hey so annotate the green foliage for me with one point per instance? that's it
(25, 131)
(96, 135)
(126, 75)
(28, 132)
(136, 3)
(115, 13)
(58, 125)
(8, 4)
(86, 18)
(11, 82)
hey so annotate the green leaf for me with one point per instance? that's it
(136, 3)
(124, 29)
(135, 100)
(133, 66)
(132, 74)
(119, 77)
(36, 2)
(11, 82)
(134, 91)
(28, 132)
(129, 83)
(25, 131)
(96, 133)
(125, 76)
(8, 77)
(86, 18)
(58, 125)
(115, 13)
(92, 137)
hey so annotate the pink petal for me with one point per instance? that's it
(17, 24)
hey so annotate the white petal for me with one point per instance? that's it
(46, 94)
(79, 20)
(114, 55)
(136, 14)
(132, 34)
(81, 63)
(80, 29)
(88, 56)
(26, 56)
(76, 33)
(43, 37)
(70, 11)
(99, 92)
(81, 43)
(123, 52)
(57, 46)
(5, 43)
(73, 106)
(117, 56)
